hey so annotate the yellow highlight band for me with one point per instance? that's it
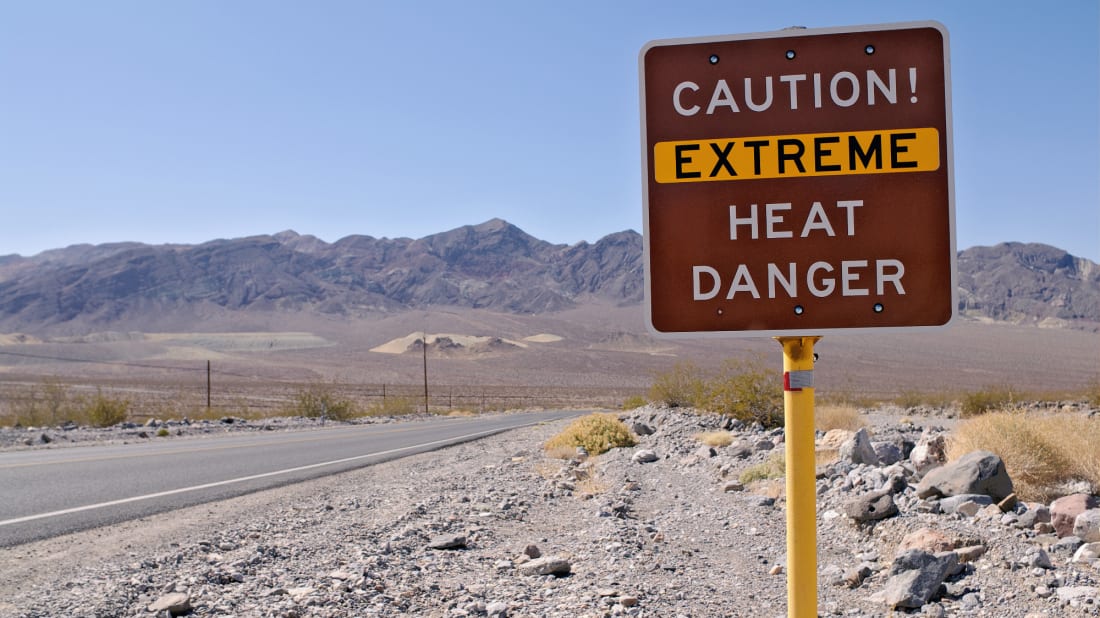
(793, 156)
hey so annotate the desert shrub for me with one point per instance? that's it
(715, 438)
(680, 387)
(49, 404)
(775, 466)
(596, 433)
(104, 411)
(828, 417)
(746, 390)
(633, 402)
(393, 406)
(988, 399)
(162, 433)
(319, 400)
(1040, 452)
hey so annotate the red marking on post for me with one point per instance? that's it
(787, 382)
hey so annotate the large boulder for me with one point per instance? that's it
(916, 576)
(871, 507)
(1064, 511)
(977, 472)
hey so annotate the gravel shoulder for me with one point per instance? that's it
(677, 536)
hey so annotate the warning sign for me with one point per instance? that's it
(798, 182)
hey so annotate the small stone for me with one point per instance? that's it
(448, 541)
(925, 539)
(644, 455)
(776, 570)
(532, 551)
(548, 565)
(968, 508)
(628, 601)
(176, 604)
(970, 554)
(497, 609)
(1075, 595)
(733, 486)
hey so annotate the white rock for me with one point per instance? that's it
(1087, 526)
(1087, 553)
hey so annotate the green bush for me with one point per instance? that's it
(596, 433)
(633, 402)
(681, 386)
(319, 400)
(104, 411)
(988, 399)
(748, 391)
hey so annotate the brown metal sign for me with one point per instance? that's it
(798, 181)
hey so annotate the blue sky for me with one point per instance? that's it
(180, 122)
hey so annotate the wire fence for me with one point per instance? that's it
(171, 389)
(54, 399)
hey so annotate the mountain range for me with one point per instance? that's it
(494, 266)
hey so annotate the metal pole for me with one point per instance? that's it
(207, 385)
(425, 348)
(798, 419)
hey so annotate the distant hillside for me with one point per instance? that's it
(1029, 284)
(494, 265)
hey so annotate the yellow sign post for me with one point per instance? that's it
(798, 418)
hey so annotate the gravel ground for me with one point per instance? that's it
(496, 528)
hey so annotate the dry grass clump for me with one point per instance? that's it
(52, 404)
(988, 399)
(828, 417)
(393, 406)
(715, 438)
(775, 466)
(1040, 451)
(597, 433)
(634, 401)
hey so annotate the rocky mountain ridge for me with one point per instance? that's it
(494, 265)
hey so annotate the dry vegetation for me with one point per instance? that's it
(832, 416)
(596, 433)
(746, 390)
(715, 438)
(1041, 451)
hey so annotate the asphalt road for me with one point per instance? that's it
(50, 492)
